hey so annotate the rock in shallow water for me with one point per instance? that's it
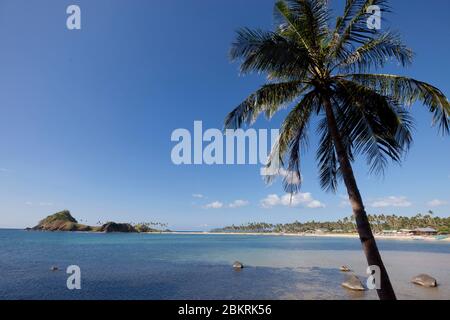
(353, 283)
(238, 265)
(345, 269)
(425, 281)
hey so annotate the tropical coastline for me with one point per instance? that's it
(295, 257)
(311, 235)
(64, 222)
(212, 150)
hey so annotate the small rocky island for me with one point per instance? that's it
(63, 221)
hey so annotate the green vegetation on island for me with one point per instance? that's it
(64, 221)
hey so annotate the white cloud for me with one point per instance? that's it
(315, 204)
(41, 204)
(345, 202)
(295, 200)
(214, 205)
(198, 195)
(238, 204)
(392, 201)
(291, 177)
(437, 203)
(270, 201)
(233, 205)
(45, 204)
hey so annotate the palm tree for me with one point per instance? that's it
(323, 71)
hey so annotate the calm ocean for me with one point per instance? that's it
(154, 266)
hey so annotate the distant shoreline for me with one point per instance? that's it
(312, 235)
(276, 234)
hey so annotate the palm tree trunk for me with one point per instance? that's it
(363, 226)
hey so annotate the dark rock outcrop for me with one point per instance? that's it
(117, 227)
(345, 269)
(425, 281)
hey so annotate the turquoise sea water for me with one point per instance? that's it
(173, 266)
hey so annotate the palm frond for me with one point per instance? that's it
(268, 99)
(374, 53)
(352, 27)
(328, 164)
(305, 21)
(407, 91)
(293, 139)
(375, 124)
(268, 52)
(352, 7)
(327, 159)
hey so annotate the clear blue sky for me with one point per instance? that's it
(86, 116)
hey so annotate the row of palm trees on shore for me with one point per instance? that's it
(379, 223)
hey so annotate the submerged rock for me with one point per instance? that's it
(238, 265)
(345, 269)
(425, 281)
(353, 283)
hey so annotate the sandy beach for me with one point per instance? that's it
(314, 235)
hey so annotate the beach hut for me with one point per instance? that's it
(425, 232)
